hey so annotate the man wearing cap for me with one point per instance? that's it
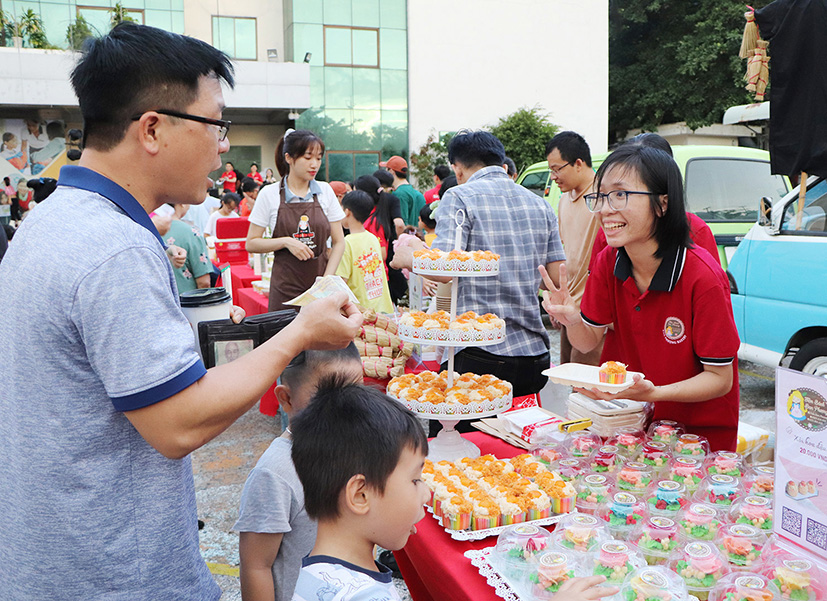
(410, 199)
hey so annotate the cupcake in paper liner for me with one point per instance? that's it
(701, 566)
(741, 544)
(456, 513)
(570, 469)
(548, 452)
(593, 492)
(518, 549)
(740, 586)
(512, 510)
(537, 504)
(579, 532)
(718, 490)
(615, 560)
(635, 477)
(554, 568)
(485, 514)
(760, 481)
(691, 445)
(654, 583)
(612, 372)
(726, 463)
(657, 538)
(666, 430)
(700, 522)
(581, 444)
(628, 441)
(667, 498)
(655, 454)
(561, 493)
(622, 514)
(688, 471)
(753, 510)
(605, 460)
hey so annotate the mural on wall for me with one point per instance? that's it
(28, 147)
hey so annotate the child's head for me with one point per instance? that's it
(426, 222)
(359, 456)
(230, 201)
(301, 377)
(9, 140)
(358, 206)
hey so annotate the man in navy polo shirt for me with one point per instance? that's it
(103, 394)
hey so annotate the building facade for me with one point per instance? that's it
(373, 78)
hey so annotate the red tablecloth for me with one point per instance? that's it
(433, 563)
(251, 301)
(243, 276)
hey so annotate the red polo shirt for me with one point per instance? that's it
(431, 195)
(683, 321)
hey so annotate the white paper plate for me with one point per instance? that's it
(586, 376)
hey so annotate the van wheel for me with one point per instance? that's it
(812, 358)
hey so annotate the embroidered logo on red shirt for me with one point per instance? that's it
(674, 331)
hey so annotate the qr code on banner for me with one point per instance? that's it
(791, 521)
(816, 533)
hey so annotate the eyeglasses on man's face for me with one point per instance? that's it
(617, 199)
(555, 171)
(222, 124)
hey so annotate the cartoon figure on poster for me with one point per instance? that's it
(795, 406)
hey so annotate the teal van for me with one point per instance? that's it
(723, 185)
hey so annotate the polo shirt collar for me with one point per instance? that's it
(315, 188)
(490, 171)
(667, 275)
(92, 181)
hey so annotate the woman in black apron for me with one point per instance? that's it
(301, 227)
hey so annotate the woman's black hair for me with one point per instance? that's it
(448, 183)
(381, 200)
(229, 197)
(385, 177)
(295, 144)
(651, 140)
(660, 174)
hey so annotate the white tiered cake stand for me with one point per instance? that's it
(448, 444)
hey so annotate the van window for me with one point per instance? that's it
(536, 182)
(722, 189)
(813, 217)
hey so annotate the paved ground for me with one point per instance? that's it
(221, 467)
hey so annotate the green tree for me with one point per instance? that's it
(524, 134)
(432, 153)
(78, 32)
(32, 27)
(674, 60)
(119, 14)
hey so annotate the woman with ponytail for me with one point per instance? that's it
(302, 214)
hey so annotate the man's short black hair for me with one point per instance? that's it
(510, 167)
(360, 204)
(661, 175)
(476, 149)
(571, 146)
(248, 184)
(346, 430)
(134, 69)
(307, 362)
(442, 171)
(425, 216)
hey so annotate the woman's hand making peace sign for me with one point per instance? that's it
(557, 302)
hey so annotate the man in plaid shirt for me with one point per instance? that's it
(507, 219)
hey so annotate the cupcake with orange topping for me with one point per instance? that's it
(612, 372)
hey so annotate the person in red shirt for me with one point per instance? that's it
(440, 173)
(254, 174)
(228, 179)
(249, 192)
(662, 304)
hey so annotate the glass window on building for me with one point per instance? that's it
(98, 18)
(347, 166)
(236, 36)
(346, 46)
(241, 157)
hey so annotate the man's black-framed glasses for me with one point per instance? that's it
(556, 170)
(617, 199)
(222, 124)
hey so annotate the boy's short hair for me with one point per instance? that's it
(442, 171)
(360, 204)
(425, 216)
(349, 429)
(307, 362)
(248, 184)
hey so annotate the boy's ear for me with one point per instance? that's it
(283, 396)
(357, 495)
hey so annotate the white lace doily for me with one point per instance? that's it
(458, 410)
(420, 335)
(482, 534)
(500, 584)
(455, 267)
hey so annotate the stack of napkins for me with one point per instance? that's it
(607, 416)
(534, 423)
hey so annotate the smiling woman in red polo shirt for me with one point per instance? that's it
(662, 304)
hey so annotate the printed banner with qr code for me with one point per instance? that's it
(801, 459)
